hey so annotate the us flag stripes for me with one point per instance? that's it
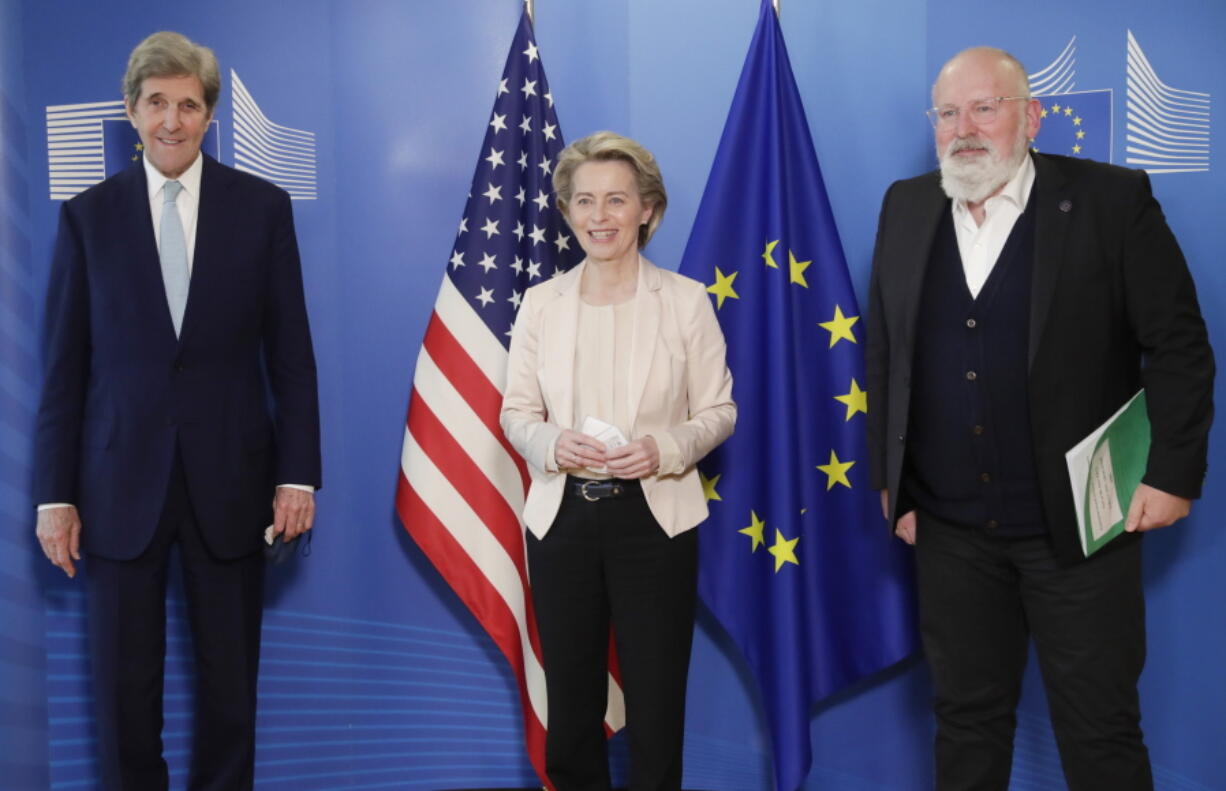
(462, 486)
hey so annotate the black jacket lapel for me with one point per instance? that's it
(1054, 207)
(915, 242)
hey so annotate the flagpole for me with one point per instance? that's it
(775, 3)
(530, 7)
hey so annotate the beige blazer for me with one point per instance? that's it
(679, 385)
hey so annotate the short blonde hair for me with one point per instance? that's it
(606, 147)
(168, 54)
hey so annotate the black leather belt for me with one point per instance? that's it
(592, 490)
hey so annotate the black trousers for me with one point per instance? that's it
(980, 599)
(127, 625)
(609, 563)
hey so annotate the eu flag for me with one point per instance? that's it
(1076, 124)
(796, 561)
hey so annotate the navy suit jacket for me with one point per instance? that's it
(1112, 308)
(235, 393)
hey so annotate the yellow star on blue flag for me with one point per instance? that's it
(1076, 124)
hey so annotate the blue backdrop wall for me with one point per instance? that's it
(373, 675)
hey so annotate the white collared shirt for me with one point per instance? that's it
(188, 202)
(980, 245)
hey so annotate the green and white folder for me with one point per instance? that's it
(1105, 469)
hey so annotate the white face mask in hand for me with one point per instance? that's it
(610, 435)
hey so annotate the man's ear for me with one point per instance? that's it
(1034, 115)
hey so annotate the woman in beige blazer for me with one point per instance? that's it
(619, 348)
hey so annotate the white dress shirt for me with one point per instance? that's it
(187, 201)
(980, 245)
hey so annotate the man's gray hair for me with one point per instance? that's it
(168, 54)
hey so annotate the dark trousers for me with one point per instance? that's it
(606, 563)
(980, 599)
(127, 624)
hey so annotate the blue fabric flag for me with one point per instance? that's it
(796, 560)
(1076, 124)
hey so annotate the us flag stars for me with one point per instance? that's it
(514, 244)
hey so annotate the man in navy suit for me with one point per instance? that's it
(1018, 300)
(179, 408)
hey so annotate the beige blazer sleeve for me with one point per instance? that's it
(524, 416)
(711, 410)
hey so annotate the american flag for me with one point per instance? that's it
(462, 486)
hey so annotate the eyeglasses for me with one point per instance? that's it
(981, 111)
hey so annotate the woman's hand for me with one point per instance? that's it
(636, 459)
(575, 451)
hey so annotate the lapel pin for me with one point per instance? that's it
(1066, 206)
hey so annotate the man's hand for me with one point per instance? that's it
(1152, 508)
(59, 533)
(636, 459)
(905, 528)
(293, 512)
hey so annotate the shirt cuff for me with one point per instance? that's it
(51, 506)
(671, 462)
(302, 487)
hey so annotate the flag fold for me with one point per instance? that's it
(796, 562)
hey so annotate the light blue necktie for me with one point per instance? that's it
(173, 254)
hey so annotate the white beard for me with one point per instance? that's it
(974, 180)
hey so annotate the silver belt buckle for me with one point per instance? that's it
(586, 496)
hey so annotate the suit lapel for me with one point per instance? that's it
(915, 243)
(646, 330)
(211, 235)
(558, 345)
(147, 263)
(1053, 210)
